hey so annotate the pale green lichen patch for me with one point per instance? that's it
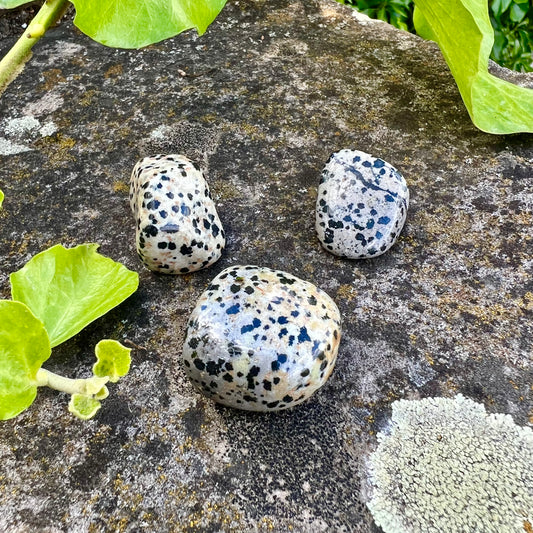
(447, 465)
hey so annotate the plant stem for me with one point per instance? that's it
(12, 64)
(89, 386)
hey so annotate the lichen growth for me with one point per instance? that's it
(447, 465)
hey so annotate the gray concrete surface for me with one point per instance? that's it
(260, 101)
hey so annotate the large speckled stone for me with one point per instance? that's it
(361, 205)
(261, 339)
(178, 229)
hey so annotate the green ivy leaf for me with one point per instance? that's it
(83, 407)
(24, 347)
(138, 23)
(463, 31)
(10, 4)
(112, 360)
(68, 289)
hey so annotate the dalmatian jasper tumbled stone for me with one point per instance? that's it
(178, 229)
(361, 205)
(261, 339)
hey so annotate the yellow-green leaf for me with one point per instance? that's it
(112, 360)
(69, 288)
(83, 407)
(24, 347)
(138, 23)
(463, 31)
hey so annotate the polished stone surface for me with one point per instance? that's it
(361, 205)
(261, 339)
(177, 225)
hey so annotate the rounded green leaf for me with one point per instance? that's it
(83, 407)
(10, 4)
(24, 346)
(68, 289)
(138, 23)
(1, 198)
(112, 360)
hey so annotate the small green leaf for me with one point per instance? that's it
(138, 23)
(68, 289)
(112, 360)
(518, 12)
(499, 6)
(463, 31)
(24, 347)
(102, 394)
(1, 198)
(83, 407)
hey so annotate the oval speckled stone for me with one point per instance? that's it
(178, 229)
(261, 339)
(361, 205)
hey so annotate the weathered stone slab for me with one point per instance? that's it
(268, 93)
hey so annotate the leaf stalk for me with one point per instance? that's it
(13, 62)
(89, 386)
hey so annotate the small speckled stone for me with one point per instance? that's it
(361, 205)
(261, 339)
(178, 229)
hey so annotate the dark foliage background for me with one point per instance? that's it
(512, 21)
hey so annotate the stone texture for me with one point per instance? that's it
(269, 92)
(261, 339)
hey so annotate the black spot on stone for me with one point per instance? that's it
(151, 230)
(185, 250)
(328, 236)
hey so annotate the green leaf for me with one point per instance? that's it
(112, 360)
(138, 23)
(10, 4)
(518, 12)
(1, 198)
(463, 31)
(499, 6)
(24, 347)
(68, 289)
(83, 407)
(102, 394)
